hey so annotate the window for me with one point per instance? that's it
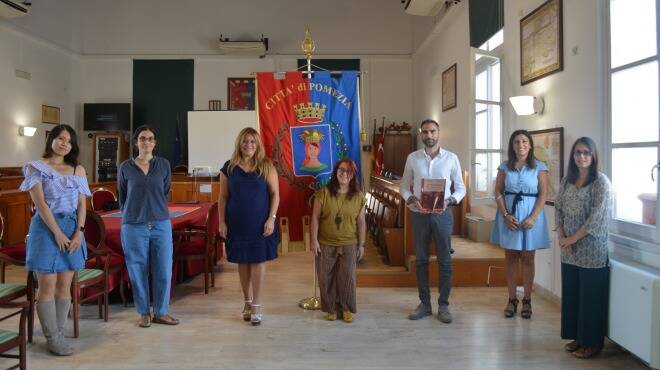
(487, 128)
(634, 116)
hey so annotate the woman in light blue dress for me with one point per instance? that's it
(520, 224)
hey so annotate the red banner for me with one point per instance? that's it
(276, 111)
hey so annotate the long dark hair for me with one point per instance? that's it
(573, 171)
(72, 157)
(531, 160)
(354, 186)
(136, 136)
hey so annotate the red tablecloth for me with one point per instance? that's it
(194, 214)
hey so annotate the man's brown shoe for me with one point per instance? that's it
(165, 319)
(145, 321)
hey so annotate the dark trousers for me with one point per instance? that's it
(584, 304)
(438, 227)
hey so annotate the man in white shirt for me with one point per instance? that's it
(432, 162)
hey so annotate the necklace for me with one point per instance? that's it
(338, 216)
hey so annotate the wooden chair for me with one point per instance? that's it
(11, 291)
(10, 339)
(100, 197)
(180, 168)
(200, 243)
(95, 235)
(15, 252)
(98, 277)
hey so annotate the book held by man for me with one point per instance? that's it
(433, 195)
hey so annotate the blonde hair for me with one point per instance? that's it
(261, 164)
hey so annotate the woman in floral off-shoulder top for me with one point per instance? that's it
(55, 244)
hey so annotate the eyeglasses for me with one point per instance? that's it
(147, 139)
(344, 170)
(586, 153)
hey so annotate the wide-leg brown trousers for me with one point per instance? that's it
(335, 267)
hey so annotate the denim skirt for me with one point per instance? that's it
(42, 252)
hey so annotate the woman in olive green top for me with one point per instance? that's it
(338, 234)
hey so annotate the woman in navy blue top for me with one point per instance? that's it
(247, 206)
(146, 231)
(55, 244)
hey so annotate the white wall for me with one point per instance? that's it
(52, 77)
(573, 97)
(445, 45)
(57, 22)
(174, 27)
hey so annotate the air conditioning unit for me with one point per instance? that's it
(423, 7)
(13, 9)
(244, 48)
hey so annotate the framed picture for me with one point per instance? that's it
(449, 88)
(541, 42)
(50, 114)
(240, 93)
(549, 148)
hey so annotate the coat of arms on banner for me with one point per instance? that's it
(311, 143)
(312, 150)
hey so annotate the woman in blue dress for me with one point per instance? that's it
(247, 206)
(56, 246)
(520, 224)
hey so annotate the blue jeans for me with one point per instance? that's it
(149, 245)
(438, 227)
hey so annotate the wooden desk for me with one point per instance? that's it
(10, 182)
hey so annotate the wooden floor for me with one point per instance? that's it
(473, 265)
(213, 336)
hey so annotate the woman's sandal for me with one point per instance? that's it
(256, 316)
(586, 352)
(526, 311)
(247, 310)
(572, 346)
(511, 308)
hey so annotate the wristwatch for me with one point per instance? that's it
(82, 228)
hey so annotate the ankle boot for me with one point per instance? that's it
(62, 307)
(47, 316)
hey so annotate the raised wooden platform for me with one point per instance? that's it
(471, 265)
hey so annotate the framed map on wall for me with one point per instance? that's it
(549, 148)
(541, 42)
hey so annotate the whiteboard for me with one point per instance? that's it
(212, 134)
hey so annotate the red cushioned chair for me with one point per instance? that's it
(180, 168)
(201, 244)
(100, 197)
(95, 278)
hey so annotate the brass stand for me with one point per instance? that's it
(314, 302)
(310, 303)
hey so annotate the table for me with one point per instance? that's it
(181, 216)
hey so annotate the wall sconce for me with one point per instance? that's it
(527, 105)
(26, 131)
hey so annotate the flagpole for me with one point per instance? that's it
(313, 302)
